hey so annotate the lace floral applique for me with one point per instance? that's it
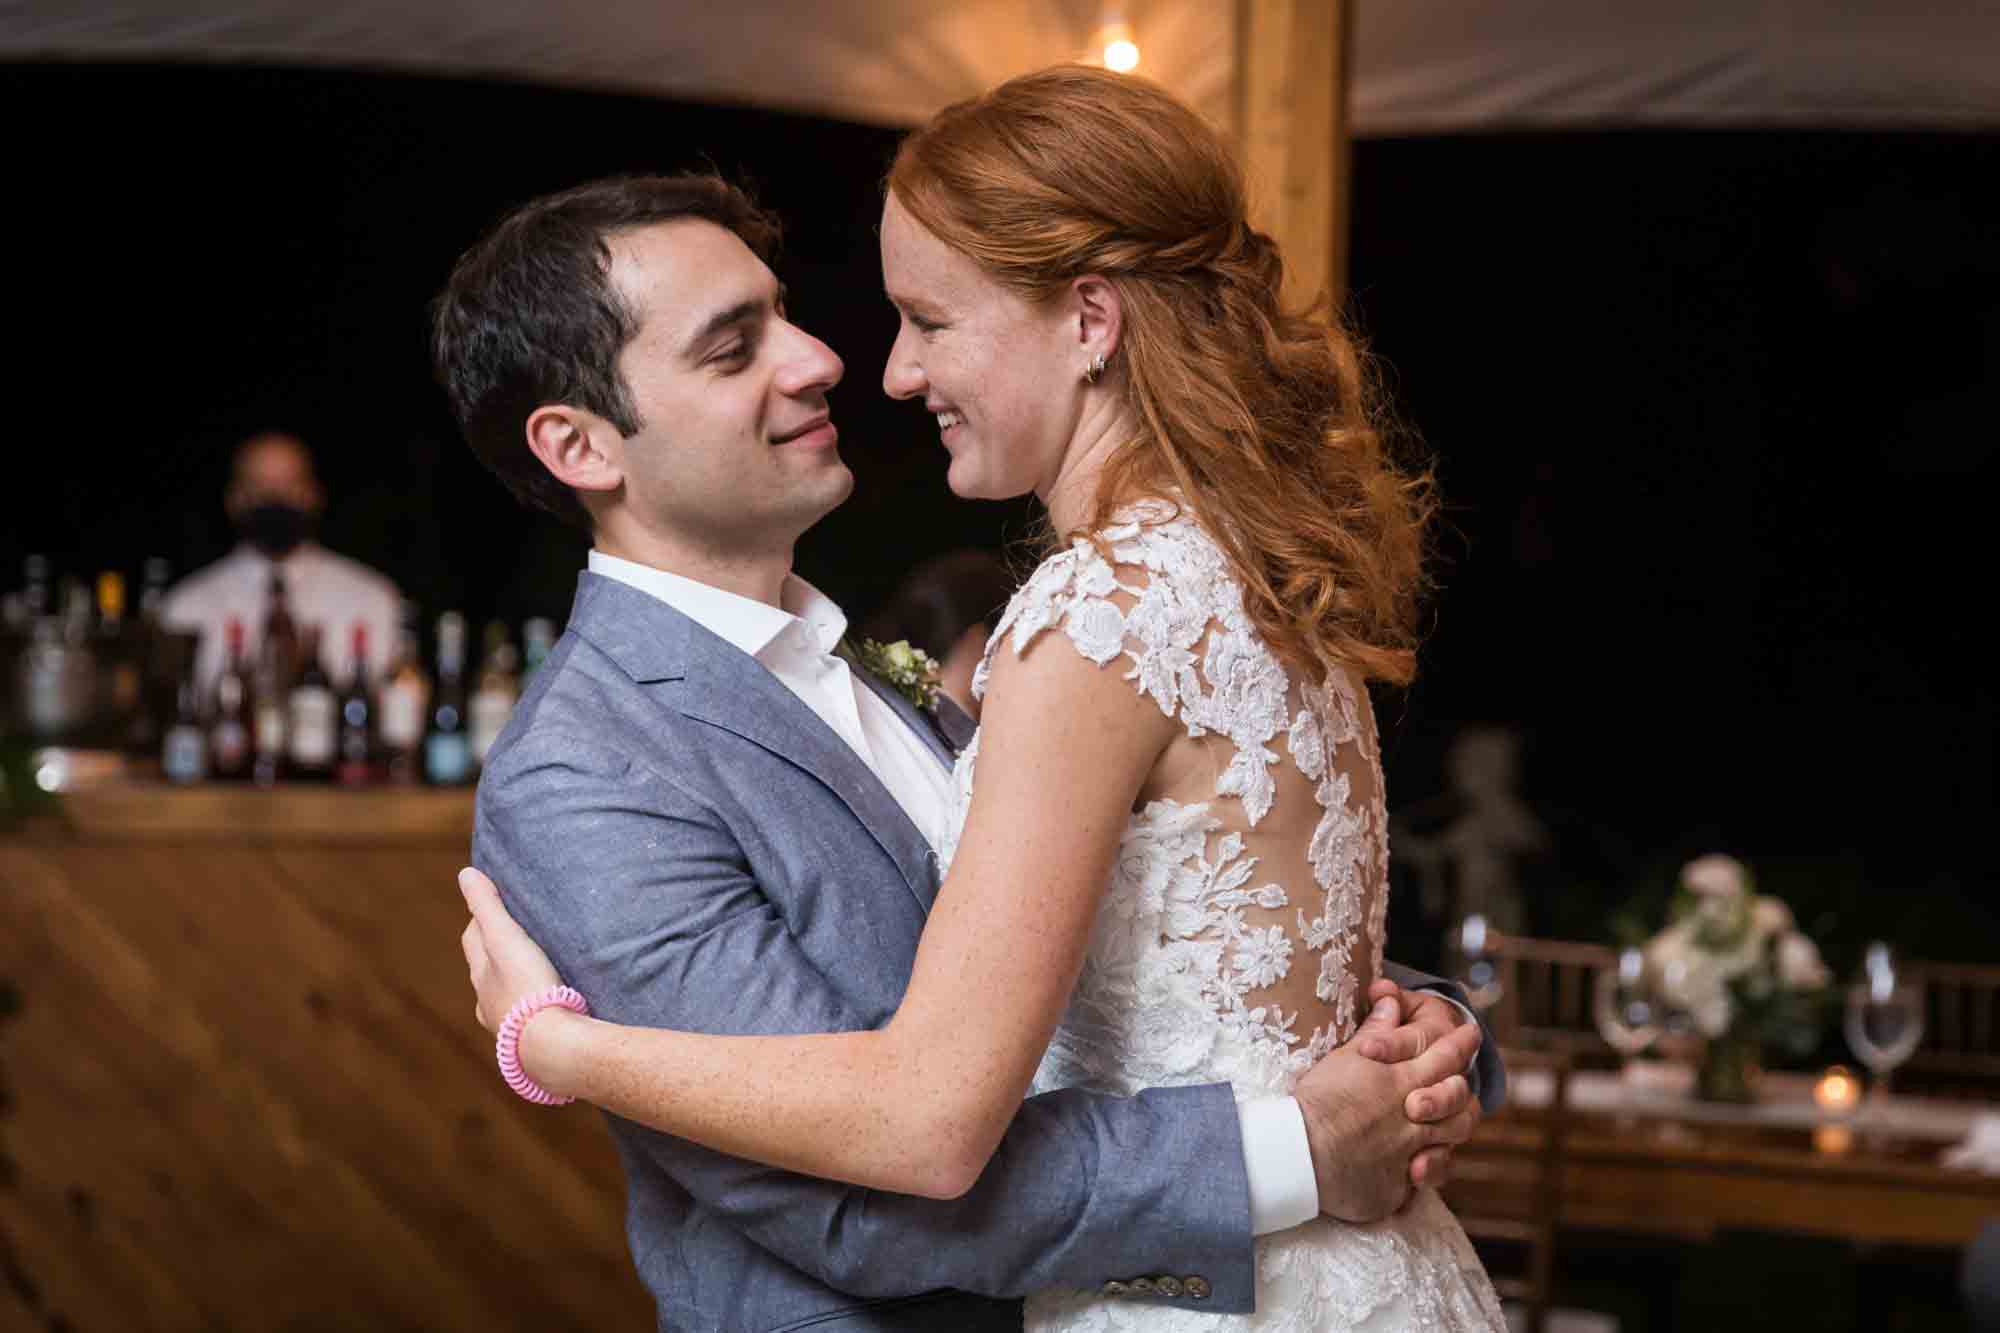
(1180, 594)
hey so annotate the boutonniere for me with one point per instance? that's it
(911, 671)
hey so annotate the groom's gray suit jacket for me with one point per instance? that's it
(696, 849)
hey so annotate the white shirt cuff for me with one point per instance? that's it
(1277, 1159)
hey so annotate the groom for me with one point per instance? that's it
(710, 823)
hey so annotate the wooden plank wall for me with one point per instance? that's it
(244, 1091)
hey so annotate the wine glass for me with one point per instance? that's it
(1628, 1017)
(1885, 1019)
(1478, 968)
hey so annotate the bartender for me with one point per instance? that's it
(275, 500)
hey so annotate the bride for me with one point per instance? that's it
(1167, 858)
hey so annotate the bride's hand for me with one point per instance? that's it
(503, 962)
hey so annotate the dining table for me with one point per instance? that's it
(1639, 1153)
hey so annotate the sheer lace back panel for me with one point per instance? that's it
(1251, 882)
(1243, 918)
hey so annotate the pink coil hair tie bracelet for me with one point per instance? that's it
(508, 1045)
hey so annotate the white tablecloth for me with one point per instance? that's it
(1655, 1088)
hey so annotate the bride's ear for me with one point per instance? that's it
(1100, 317)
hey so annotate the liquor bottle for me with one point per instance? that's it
(354, 764)
(35, 592)
(402, 704)
(153, 591)
(229, 711)
(184, 752)
(267, 721)
(54, 674)
(271, 686)
(309, 716)
(448, 747)
(538, 640)
(121, 676)
(159, 671)
(75, 614)
(494, 697)
(111, 605)
(280, 646)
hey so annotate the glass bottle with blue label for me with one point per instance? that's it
(448, 742)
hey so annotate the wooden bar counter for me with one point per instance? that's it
(243, 1089)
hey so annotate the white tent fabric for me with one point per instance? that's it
(1434, 66)
(1420, 66)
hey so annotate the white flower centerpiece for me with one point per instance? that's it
(1734, 961)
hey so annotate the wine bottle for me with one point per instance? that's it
(76, 614)
(355, 762)
(35, 593)
(448, 746)
(309, 716)
(111, 605)
(538, 640)
(159, 670)
(229, 710)
(277, 660)
(402, 705)
(120, 666)
(494, 696)
(184, 752)
(153, 591)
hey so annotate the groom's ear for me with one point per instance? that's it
(580, 449)
(1099, 314)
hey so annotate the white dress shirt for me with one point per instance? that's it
(795, 641)
(321, 589)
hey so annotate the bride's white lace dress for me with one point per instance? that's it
(1228, 918)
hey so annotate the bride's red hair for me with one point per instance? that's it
(1262, 420)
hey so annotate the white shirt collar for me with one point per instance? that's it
(297, 558)
(756, 628)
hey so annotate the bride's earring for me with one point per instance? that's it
(1094, 369)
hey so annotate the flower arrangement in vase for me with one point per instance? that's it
(1734, 962)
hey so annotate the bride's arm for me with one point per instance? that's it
(919, 1105)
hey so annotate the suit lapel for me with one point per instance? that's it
(713, 681)
(931, 726)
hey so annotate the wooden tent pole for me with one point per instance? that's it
(1292, 61)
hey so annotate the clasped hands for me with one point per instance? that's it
(1384, 1111)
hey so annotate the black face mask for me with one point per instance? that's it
(274, 527)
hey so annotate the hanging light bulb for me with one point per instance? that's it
(1115, 46)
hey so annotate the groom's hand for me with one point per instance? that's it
(1419, 1020)
(1359, 1116)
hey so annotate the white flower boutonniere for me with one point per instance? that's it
(912, 671)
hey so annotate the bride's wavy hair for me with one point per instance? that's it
(1265, 421)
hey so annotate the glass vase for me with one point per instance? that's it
(1731, 1068)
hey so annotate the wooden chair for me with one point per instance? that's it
(1961, 1020)
(1508, 1194)
(1547, 992)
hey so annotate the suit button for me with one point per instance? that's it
(1144, 1286)
(1114, 1288)
(1170, 1286)
(1197, 1287)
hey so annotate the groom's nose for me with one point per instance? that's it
(809, 365)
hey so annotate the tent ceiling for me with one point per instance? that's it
(1420, 66)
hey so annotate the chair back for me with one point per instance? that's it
(1548, 992)
(1961, 1020)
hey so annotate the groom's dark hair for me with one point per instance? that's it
(530, 317)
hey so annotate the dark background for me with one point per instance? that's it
(1714, 415)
